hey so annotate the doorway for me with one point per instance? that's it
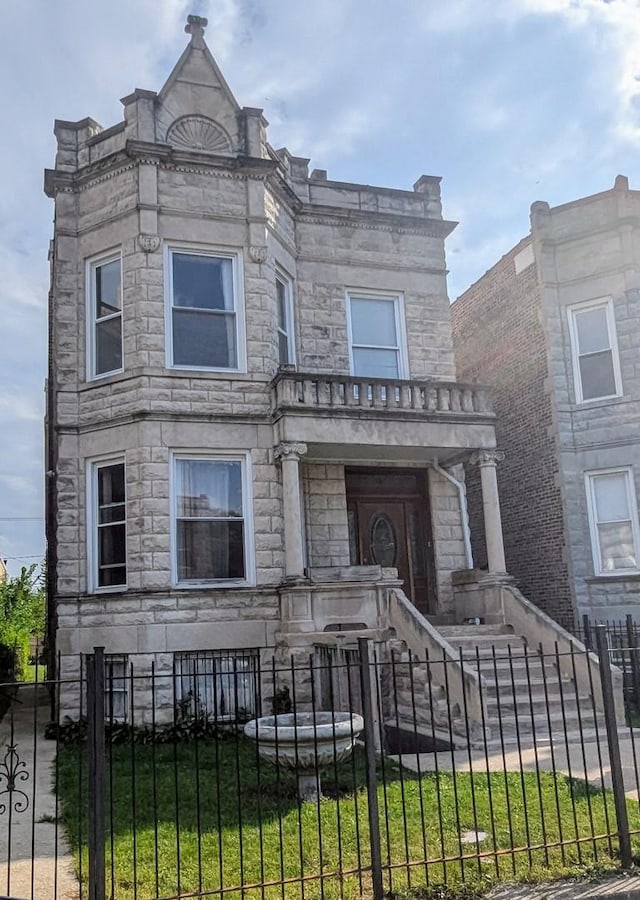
(390, 526)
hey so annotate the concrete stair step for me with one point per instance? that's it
(467, 630)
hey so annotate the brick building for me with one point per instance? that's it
(554, 329)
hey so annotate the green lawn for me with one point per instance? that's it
(320, 840)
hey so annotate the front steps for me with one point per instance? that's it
(526, 698)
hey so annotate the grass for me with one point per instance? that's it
(245, 826)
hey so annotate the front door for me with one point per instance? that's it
(389, 526)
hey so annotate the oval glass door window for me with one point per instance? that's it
(384, 543)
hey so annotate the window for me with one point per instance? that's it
(210, 520)
(217, 684)
(116, 700)
(596, 368)
(108, 520)
(376, 332)
(105, 317)
(204, 320)
(286, 343)
(613, 519)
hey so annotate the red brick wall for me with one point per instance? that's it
(499, 341)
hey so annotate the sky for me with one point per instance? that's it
(509, 101)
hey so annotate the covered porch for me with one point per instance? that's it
(372, 476)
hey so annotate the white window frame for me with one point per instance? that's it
(289, 334)
(607, 304)
(235, 255)
(590, 478)
(401, 348)
(93, 466)
(92, 264)
(244, 457)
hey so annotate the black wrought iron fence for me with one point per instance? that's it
(356, 769)
(623, 635)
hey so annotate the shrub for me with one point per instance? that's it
(22, 617)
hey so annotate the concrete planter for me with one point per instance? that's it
(304, 742)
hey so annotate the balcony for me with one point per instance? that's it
(341, 416)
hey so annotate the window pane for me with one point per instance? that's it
(207, 488)
(598, 377)
(204, 282)
(112, 577)
(111, 545)
(204, 339)
(616, 547)
(210, 549)
(593, 331)
(612, 502)
(283, 348)
(109, 345)
(108, 287)
(373, 322)
(281, 292)
(375, 363)
(111, 484)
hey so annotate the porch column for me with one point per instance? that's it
(487, 460)
(289, 455)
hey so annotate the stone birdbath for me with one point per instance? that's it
(304, 742)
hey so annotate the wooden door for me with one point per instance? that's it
(389, 527)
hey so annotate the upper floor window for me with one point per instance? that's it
(376, 336)
(596, 367)
(205, 317)
(286, 343)
(613, 519)
(107, 519)
(210, 519)
(105, 316)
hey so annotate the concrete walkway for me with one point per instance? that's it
(588, 761)
(35, 863)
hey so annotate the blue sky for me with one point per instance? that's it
(510, 101)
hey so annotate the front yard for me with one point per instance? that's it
(200, 816)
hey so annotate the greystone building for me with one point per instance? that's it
(554, 328)
(255, 431)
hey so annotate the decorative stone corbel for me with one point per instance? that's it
(258, 253)
(149, 242)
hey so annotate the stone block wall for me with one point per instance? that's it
(448, 540)
(499, 340)
(326, 515)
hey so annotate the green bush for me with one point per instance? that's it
(22, 618)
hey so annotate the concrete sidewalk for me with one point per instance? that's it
(35, 862)
(613, 887)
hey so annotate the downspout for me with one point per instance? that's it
(464, 513)
(51, 457)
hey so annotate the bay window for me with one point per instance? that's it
(104, 292)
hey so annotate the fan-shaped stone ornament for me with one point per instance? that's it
(198, 133)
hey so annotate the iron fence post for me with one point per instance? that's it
(370, 758)
(632, 643)
(613, 745)
(586, 628)
(96, 772)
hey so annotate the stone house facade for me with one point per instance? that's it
(254, 425)
(554, 328)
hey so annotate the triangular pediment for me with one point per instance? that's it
(196, 108)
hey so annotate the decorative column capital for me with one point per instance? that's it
(487, 457)
(290, 450)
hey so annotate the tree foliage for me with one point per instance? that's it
(22, 616)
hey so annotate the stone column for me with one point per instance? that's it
(289, 455)
(487, 460)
